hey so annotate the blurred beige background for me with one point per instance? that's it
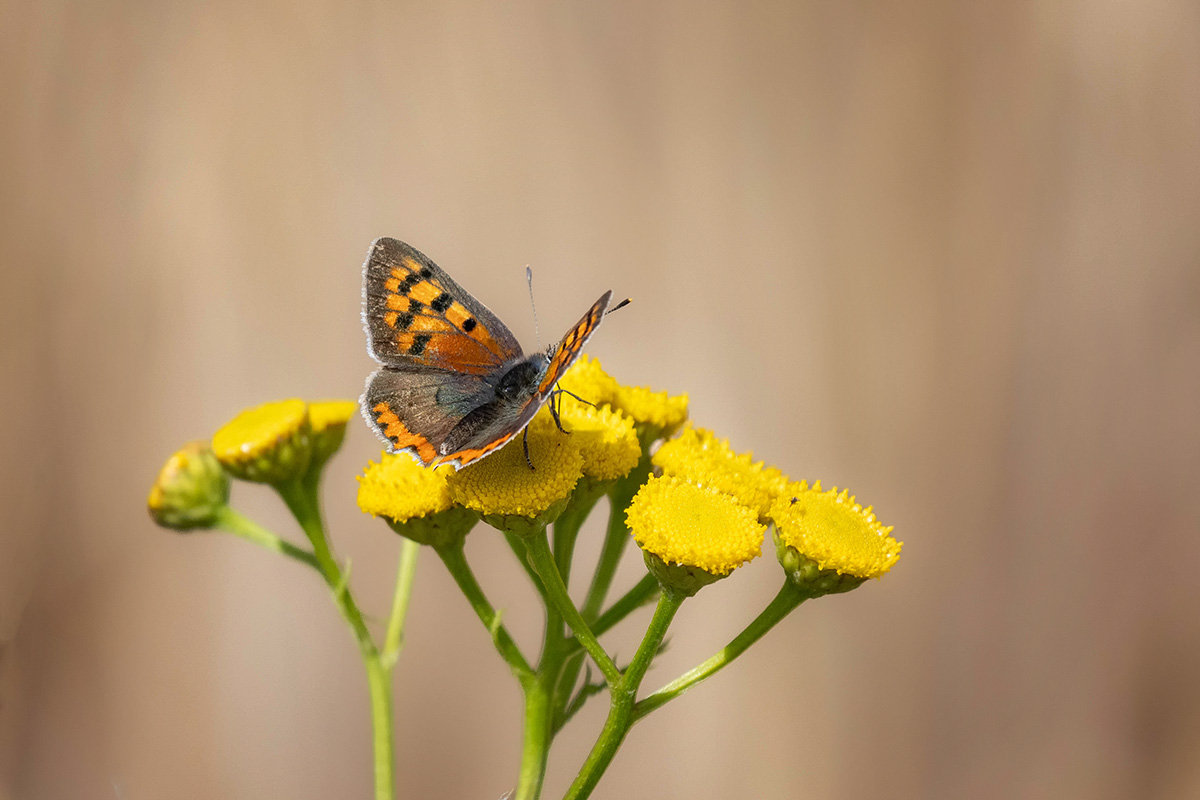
(944, 254)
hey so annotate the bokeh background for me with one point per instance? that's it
(945, 254)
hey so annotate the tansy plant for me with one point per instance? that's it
(697, 509)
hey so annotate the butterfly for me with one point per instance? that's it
(454, 384)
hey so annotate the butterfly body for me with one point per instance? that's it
(454, 384)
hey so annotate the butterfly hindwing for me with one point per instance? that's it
(489, 433)
(415, 408)
(416, 314)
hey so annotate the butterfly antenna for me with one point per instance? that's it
(533, 305)
(621, 304)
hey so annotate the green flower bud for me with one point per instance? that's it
(191, 489)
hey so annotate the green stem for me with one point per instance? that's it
(535, 744)
(405, 572)
(540, 698)
(615, 538)
(543, 562)
(455, 560)
(303, 500)
(564, 691)
(642, 592)
(232, 522)
(517, 545)
(305, 507)
(379, 683)
(620, 714)
(784, 603)
(566, 527)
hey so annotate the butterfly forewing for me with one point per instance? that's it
(416, 314)
(571, 345)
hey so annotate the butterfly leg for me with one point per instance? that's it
(554, 413)
(577, 397)
(525, 444)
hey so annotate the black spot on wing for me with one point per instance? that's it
(410, 280)
(469, 324)
(419, 342)
(441, 302)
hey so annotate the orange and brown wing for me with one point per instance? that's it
(415, 313)
(567, 350)
(414, 408)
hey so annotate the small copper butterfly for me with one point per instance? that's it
(454, 384)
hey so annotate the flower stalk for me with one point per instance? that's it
(233, 522)
(543, 563)
(624, 695)
(784, 603)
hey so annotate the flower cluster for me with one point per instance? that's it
(699, 512)
(702, 512)
(697, 508)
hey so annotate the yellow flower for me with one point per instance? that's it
(827, 541)
(415, 500)
(704, 532)
(328, 419)
(510, 495)
(699, 457)
(270, 443)
(191, 489)
(607, 439)
(656, 414)
(399, 488)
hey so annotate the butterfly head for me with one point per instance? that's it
(520, 381)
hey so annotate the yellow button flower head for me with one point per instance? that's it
(692, 535)
(510, 495)
(656, 414)
(191, 489)
(827, 542)
(328, 419)
(271, 443)
(699, 457)
(607, 439)
(415, 500)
